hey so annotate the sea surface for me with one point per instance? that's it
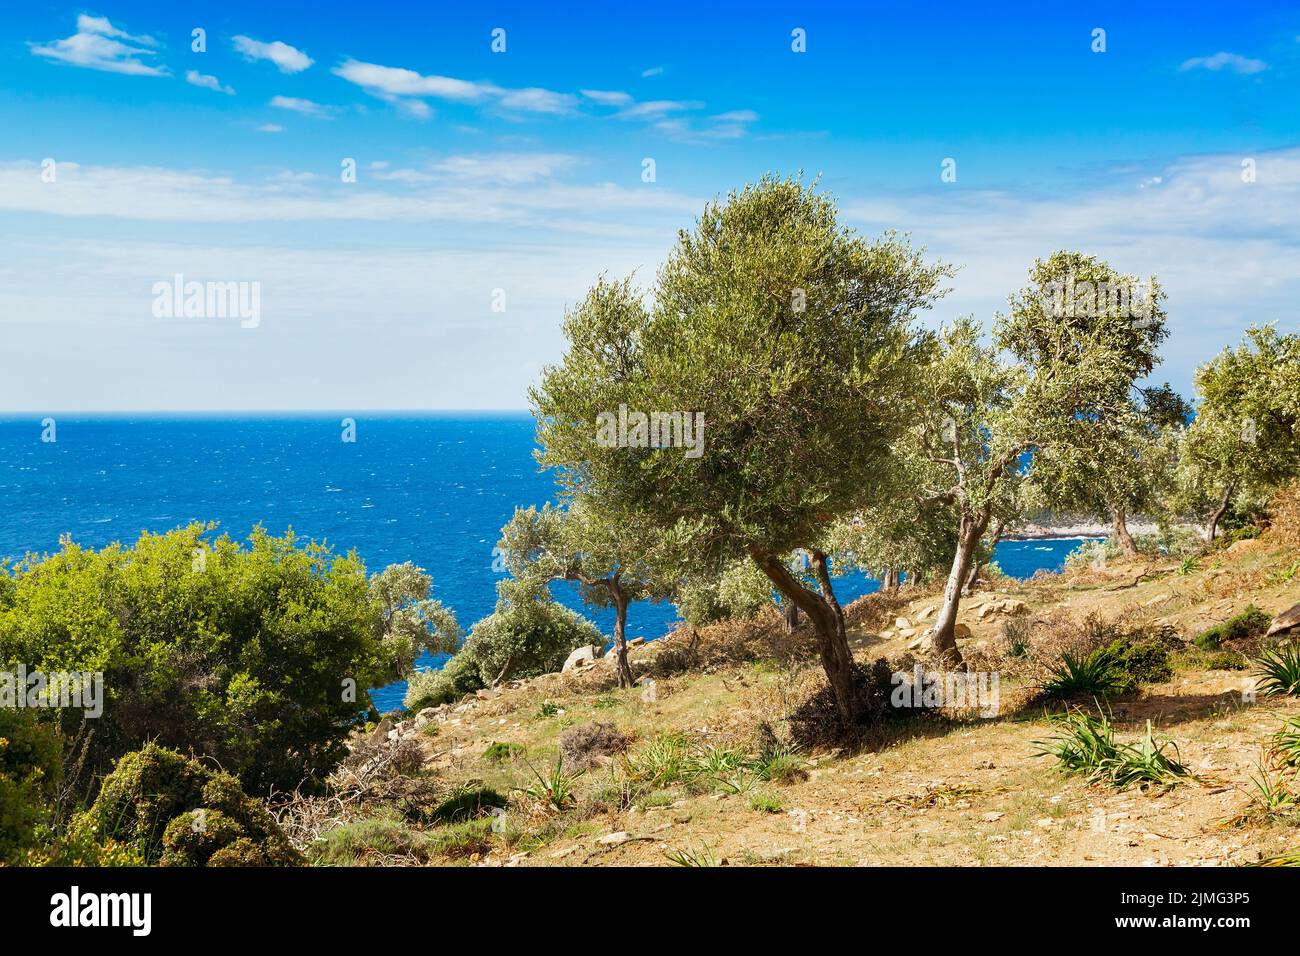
(433, 489)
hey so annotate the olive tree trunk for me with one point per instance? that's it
(827, 618)
(1220, 511)
(620, 632)
(943, 638)
(1119, 528)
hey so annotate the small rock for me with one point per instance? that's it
(994, 815)
(901, 622)
(613, 839)
(583, 655)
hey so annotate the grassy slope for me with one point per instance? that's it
(954, 793)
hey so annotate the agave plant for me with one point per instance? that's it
(1086, 745)
(1090, 676)
(1278, 671)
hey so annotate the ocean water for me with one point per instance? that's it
(434, 489)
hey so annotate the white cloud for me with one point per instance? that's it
(656, 108)
(506, 167)
(98, 45)
(608, 97)
(287, 59)
(392, 81)
(196, 78)
(1232, 62)
(270, 128)
(537, 100)
(652, 71)
(296, 105)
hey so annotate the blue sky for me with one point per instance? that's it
(519, 174)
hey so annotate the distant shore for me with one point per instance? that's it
(1081, 529)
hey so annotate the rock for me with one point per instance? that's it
(382, 730)
(906, 631)
(961, 631)
(636, 642)
(613, 839)
(901, 623)
(1285, 621)
(583, 655)
(994, 815)
(927, 613)
(917, 644)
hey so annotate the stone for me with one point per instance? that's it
(1286, 621)
(927, 613)
(636, 642)
(901, 623)
(906, 631)
(614, 839)
(583, 655)
(381, 732)
(962, 630)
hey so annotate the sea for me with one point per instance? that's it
(430, 488)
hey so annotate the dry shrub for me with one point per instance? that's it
(816, 722)
(584, 746)
(1284, 515)
(1031, 646)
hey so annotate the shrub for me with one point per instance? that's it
(180, 813)
(816, 721)
(245, 654)
(30, 768)
(766, 803)
(468, 803)
(1086, 745)
(1249, 623)
(583, 746)
(1113, 670)
(457, 677)
(524, 638)
(498, 752)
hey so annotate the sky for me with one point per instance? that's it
(500, 155)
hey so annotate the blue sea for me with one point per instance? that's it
(433, 489)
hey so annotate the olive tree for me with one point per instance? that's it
(608, 555)
(1245, 438)
(1063, 358)
(788, 340)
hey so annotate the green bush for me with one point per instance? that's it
(456, 678)
(259, 656)
(178, 812)
(1249, 623)
(30, 768)
(373, 839)
(1118, 668)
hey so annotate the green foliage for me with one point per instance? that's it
(179, 812)
(30, 769)
(429, 688)
(1277, 671)
(528, 634)
(554, 790)
(1086, 745)
(1249, 623)
(259, 656)
(1284, 745)
(766, 802)
(468, 803)
(547, 709)
(1245, 439)
(376, 839)
(1118, 668)
(500, 752)
(701, 856)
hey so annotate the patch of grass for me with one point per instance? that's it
(375, 840)
(1284, 576)
(1277, 671)
(548, 708)
(781, 763)
(468, 838)
(703, 856)
(499, 751)
(1188, 566)
(766, 803)
(606, 702)
(1249, 623)
(1086, 745)
(1272, 800)
(663, 761)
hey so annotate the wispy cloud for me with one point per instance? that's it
(1232, 62)
(287, 59)
(297, 105)
(98, 45)
(652, 71)
(195, 78)
(608, 97)
(270, 128)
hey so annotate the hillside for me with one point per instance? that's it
(946, 789)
